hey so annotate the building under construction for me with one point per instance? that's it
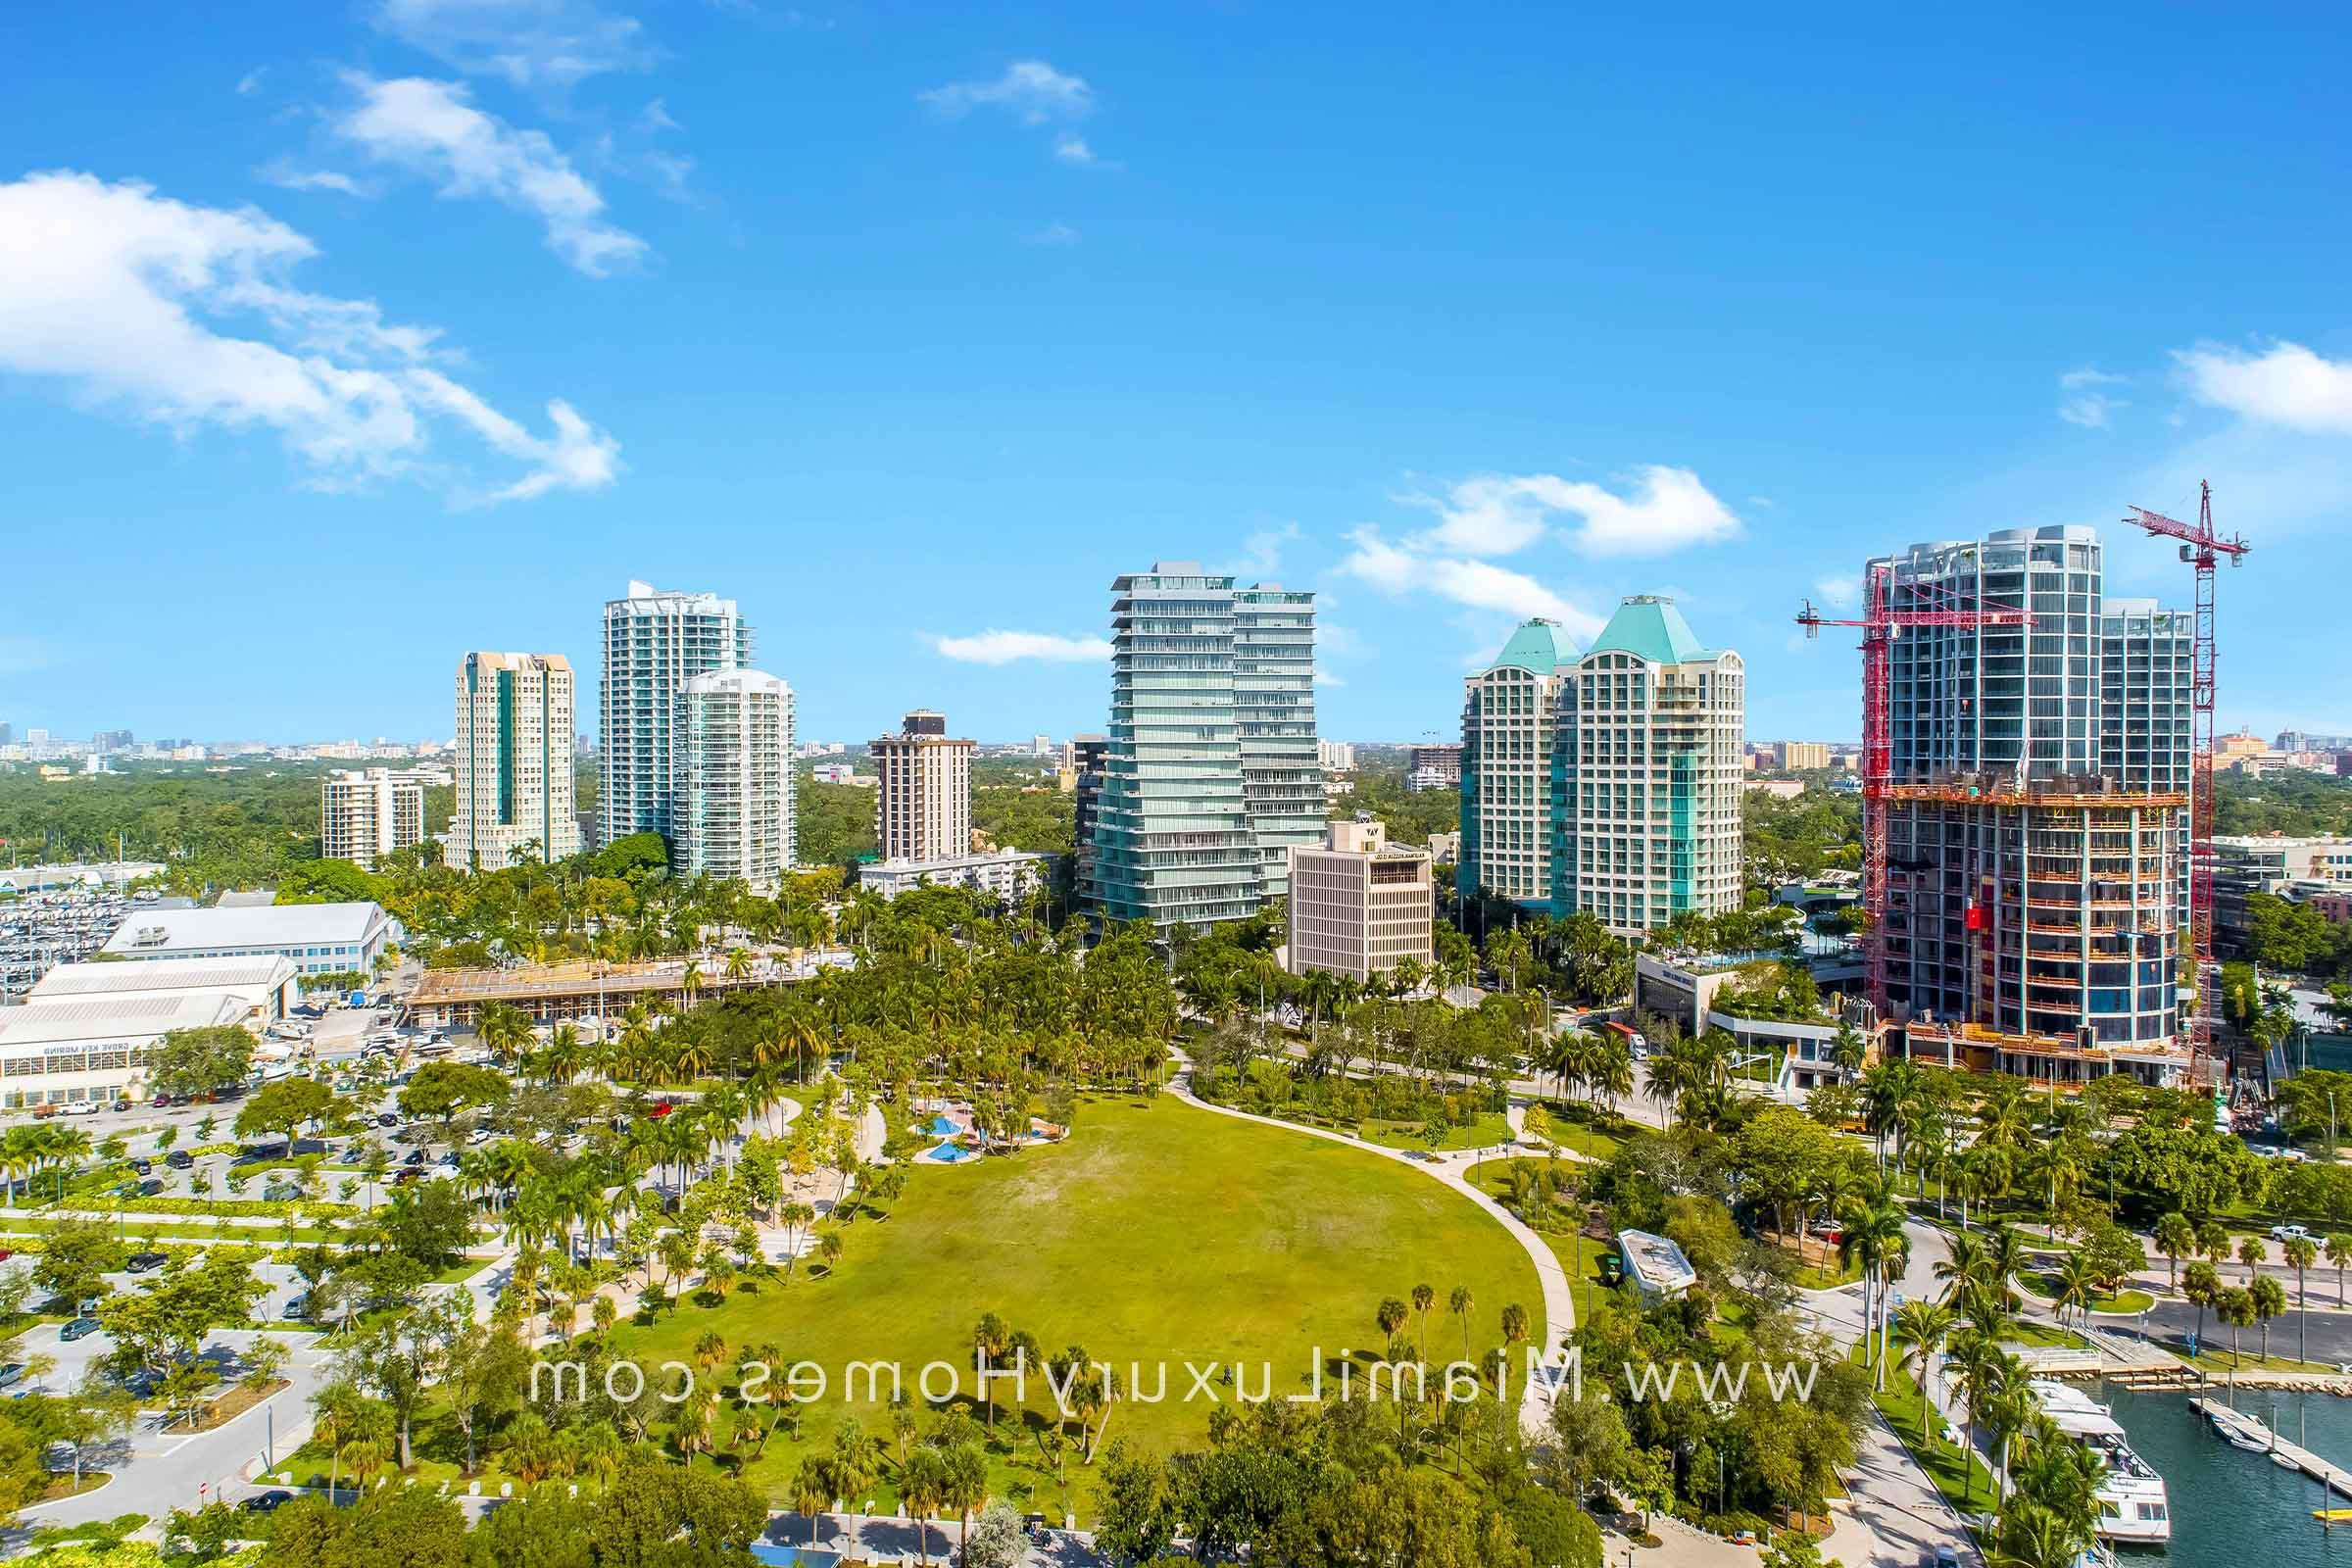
(2034, 811)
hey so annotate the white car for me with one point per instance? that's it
(2288, 1233)
(79, 1107)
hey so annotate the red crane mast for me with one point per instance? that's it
(2203, 549)
(1881, 624)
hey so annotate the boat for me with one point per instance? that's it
(2333, 1516)
(2133, 1506)
(2241, 1432)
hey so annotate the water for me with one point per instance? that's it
(941, 1127)
(2231, 1508)
(949, 1154)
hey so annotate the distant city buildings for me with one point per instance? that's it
(1359, 905)
(1211, 773)
(1336, 756)
(923, 794)
(1432, 767)
(731, 794)
(2315, 871)
(364, 815)
(654, 643)
(513, 792)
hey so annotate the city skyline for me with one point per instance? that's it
(996, 317)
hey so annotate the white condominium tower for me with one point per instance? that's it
(513, 763)
(655, 643)
(1647, 773)
(1506, 769)
(1209, 775)
(923, 790)
(732, 787)
(370, 813)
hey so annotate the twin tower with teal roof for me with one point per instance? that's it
(1606, 782)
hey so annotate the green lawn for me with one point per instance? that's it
(1161, 1234)
(1583, 1265)
(1486, 1132)
(2127, 1301)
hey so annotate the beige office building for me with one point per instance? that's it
(365, 815)
(513, 770)
(923, 797)
(1802, 757)
(1360, 903)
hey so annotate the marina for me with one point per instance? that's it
(2228, 1497)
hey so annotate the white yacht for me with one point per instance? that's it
(2133, 1504)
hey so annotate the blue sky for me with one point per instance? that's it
(336, 340)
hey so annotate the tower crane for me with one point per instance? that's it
(2202, 549)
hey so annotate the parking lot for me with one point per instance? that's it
(41, 930)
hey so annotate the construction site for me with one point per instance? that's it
(2038, 806)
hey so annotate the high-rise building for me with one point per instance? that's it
(1084, 757)
(1041, 745)
(112, 740)
(1645, 773)
(2035, 840)
(1359, 905)
(1804, 757)
(364, 815)
(513, 762)
(923, 797)
(731, 811)
(1507, 737)
(1274, 715)
(1336, 756)
(7, 734)
(1211, 772)
(654, 642)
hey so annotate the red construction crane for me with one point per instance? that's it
(2203, 549)
(1881, 624)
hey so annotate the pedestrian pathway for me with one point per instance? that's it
(1559, 1301)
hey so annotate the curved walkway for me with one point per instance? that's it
(1559, 1302)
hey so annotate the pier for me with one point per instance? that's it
(2287, 1454)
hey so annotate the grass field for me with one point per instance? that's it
(1487, 1131)
(2127, 1301)
(1155, 1235)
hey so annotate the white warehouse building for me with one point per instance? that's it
(85, 1031)
(315, 938)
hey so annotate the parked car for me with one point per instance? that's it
(142, 1263)
(81, 1328)
(2288, 1233)
(449, 1157)
(280, 1192)
(386, 1119)
(179, 1160)
(408, 1175)
(415, 1157)
(478, 1137)
(82, 1107)
(308, 1145)
(298, 1309)
(11, 1374)
(42, 1112)
(142, 1165)
(151, 1186)
(270, 1501)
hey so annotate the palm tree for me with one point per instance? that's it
(1873, 1238)
(1460, 1302)
(2077, 1286)
(2268, 1299)
(2236, 1308)
(1424, 1298)
(1922, 1327)
(923, 1485)
(2202, 1284)
(2339, 1253)
(2301, 1252)
(2175, 1239)
(812, 1485)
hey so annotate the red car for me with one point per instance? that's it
(661, 1109)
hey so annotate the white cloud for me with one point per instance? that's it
(251, 83)
(1031, 90)
(1324, 677)
(1261, 553)
(995, 647)
(1336, 639)
(431, 129)
(655, 116)
(1477, 584)
(1838, 592)
(1500, 513)
(2085, 404)
(1071, 148)
(1055, 233)
(286, 178)
(2285, 385)
(540, 45)
(125, 296)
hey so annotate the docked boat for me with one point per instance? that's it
(2134, 1506)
